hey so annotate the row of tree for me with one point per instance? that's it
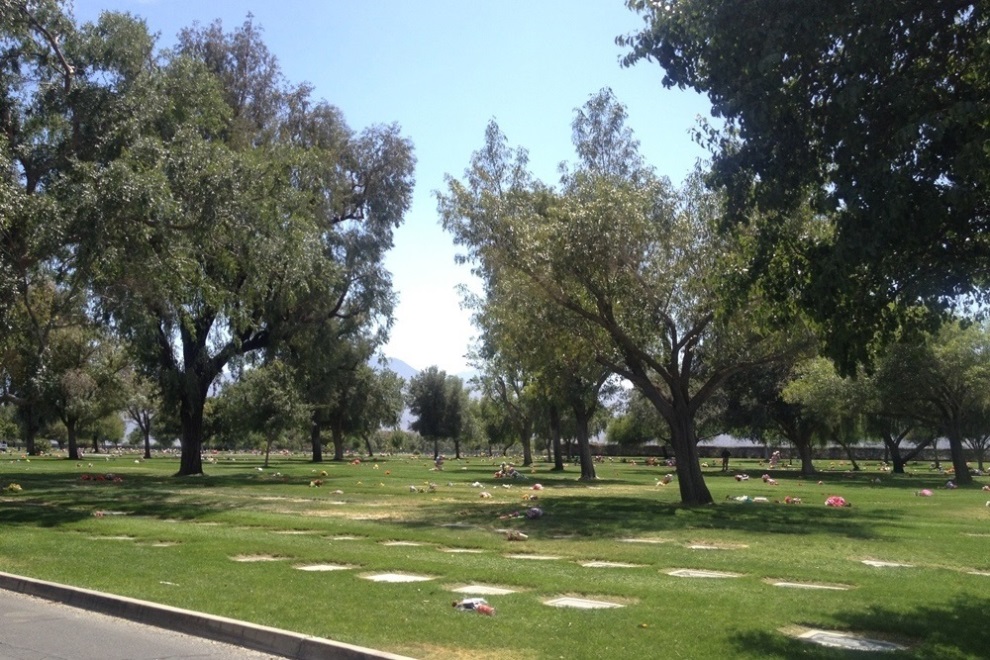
(187, 214)
(178, 216)
(844, 211)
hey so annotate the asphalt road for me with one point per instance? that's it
(36, 629)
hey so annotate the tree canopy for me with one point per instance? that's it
(877, 112)
(190, 199)
(634, 267)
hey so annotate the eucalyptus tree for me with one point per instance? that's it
(877, 111)
(521, 330)
(383, 404)
(639, 269)
(141, 405)
(637, 422)
(328, 357)
(236, 210)
(82, 382)
(943, 384)
(494, 423)
(438, 401)
(892, 412)
(756, 408)
(51, 88)
(838, 404)
(358, 401)
(264, 400)
(506, 383)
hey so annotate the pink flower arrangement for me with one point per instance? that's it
(924, 492)
(837, 501)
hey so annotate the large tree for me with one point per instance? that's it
(438, 401)
(942, 384)
(236, 210)
(638, 268)
(51, 113)
(82, 382)
(878, 112)
(265, 401)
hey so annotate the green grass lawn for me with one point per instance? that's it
(174, 541)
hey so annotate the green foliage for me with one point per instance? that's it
(439, 403)
(876, 113)
(620, 269)
(637, 424)
(264, 400)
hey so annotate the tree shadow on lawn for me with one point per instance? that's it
(624, 516)
(50, 500)
(956, 629)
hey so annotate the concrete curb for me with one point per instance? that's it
(231, 631)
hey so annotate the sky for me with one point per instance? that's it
(441, 70)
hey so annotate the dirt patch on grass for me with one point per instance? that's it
(435, 652)
(349, 514)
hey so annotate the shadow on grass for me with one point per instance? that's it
(50, 500)
(956, 629)
(624, 516)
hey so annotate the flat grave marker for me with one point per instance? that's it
(886, 564)
(403, 544)
(396, 577)
(609, 564)
(695, 573)
(483, 590)
(849, 641)
(810, 585)
(582, 603)
(253, 558)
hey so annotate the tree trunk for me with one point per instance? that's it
(337, 433)
(558, 454)
(31, 427)
(694, 491)
(436, 447)
(70, 428)
(315, 441)
(191, 418)
(268, 448)
(526, 439)
(846, 447)
(897, 463)
(147, 443)
(962, 475)
(899, 460)
(367, 445)
(582, 416)
(457, 448)
(96, 444)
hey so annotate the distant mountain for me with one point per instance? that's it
(396, 365)
(407, 371)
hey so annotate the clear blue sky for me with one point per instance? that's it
(441, 69)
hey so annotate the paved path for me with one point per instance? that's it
(42, 620)
(36, 629)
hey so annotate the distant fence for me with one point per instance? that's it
(787, 453)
